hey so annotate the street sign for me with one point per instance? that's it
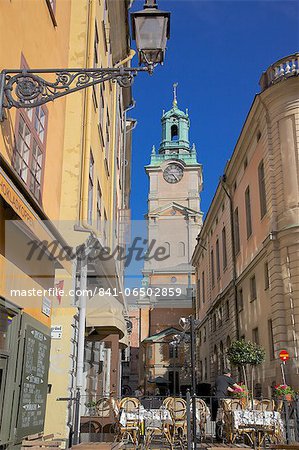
(284, 355)
(56, 332)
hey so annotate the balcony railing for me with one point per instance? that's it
(280, 70)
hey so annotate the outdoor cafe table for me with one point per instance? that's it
(146, 417)
(260, 423)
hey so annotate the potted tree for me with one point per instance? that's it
(244, 354)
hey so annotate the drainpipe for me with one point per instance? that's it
(231, 210)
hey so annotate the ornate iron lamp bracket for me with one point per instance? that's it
(27, 89)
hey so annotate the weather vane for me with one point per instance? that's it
(175, 85)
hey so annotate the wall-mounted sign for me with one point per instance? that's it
(46, 306)
(56, 332)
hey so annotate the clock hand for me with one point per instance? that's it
(175, 177)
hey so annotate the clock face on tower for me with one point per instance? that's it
(173, 173)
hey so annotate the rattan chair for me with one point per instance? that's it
(202, 412)
(131, 429)
(178, 410)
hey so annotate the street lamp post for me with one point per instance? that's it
(190, 324)
(26, 88)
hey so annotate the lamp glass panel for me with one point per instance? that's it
(151, 32)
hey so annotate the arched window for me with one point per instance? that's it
(166, 245)
(181, 249)
(174, 133)
(214, 323)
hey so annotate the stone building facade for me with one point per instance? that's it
(247, 253)
(174, 219)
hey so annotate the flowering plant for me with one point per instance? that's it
(284, 389)
(240, 393)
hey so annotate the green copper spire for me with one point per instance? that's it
(175, 135)
(175, 128)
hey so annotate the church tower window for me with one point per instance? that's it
(174, 133)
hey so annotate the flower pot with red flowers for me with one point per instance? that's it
(284, 392)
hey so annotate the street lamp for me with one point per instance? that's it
(189, 324)
(151, 29)
(26, 88)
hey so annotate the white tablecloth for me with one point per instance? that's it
(254, 418)
(151, 417)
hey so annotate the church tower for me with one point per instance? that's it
(174, 221)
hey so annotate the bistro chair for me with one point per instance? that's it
(265, 405)
(128, 423)
(129, 404)
(162, 430)
(202, 414)
(178, 410)
(228, 406)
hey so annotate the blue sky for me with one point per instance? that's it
(217, 53)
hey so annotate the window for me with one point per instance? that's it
(217, 259)
(203, 286)
(96, 46)
(266, 274)
(107, 140)
(240, 300)
(105, 227)
(206, 369)
(227, 309)
(214, 323)
(198, 292)
(90, 189)
(200, 371)
(220, 316)
(101, 112)
(262, 189)
(149, 352)
(174, 133)
(258, 136)
(224, 251)
(99, 205)
(173, 351)
(248, 212)
(212, 268)
(199, 338)
(236, 231)
(181, 249)
(271, 339)
(204, 334)
(255, 335)
(30, 147)
(252, 288)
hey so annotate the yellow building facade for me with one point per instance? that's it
(64, 179)
(94, 202)
(33, 35)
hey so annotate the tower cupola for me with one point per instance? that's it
(175, 129)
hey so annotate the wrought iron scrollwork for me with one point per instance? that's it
(27, 88)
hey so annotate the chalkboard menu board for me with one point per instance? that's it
(34, 383)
